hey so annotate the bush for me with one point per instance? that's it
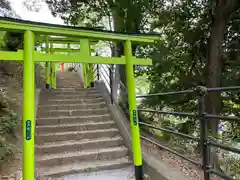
(231, 166)
(8, 126)
(71, 69)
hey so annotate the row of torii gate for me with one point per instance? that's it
(49, 34)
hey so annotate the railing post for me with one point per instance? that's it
(111, 83)
(91, 75)
(47, 67)
(53, 75)
(136, 146)
(98, 72)
(28, 107)
(47, 72)
(85, 75)
(203, 132)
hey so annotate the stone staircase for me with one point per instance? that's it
(68, 80)
(76, 134)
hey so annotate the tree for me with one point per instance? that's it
(123, 15)
(5, 4)
(221, 13)
(198, 47)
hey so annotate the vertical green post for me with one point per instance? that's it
(47, 67)
(85, 52)
(28, 107)
(53, 70)
(136, 146)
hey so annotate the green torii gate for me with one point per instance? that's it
(67, 34)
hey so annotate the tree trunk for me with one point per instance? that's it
(222, 13)
(117, 51)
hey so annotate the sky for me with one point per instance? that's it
(44, 15)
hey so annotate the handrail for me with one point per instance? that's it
(205, 142)
(203, 117)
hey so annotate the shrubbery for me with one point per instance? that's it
(8, 124)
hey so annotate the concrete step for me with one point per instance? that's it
(84, 167)
(72, 96)
(76, 135)
(72, 82)
(72, 106)
(72, 119)
(73, 112)
(64, 146)
(54, 92)
(70, 101)
(75, 127)
(80, 156)
(69, 90)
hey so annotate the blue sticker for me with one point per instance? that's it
(28, 130)
(135, 120)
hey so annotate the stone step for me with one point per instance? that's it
(73, 112)
(72, 96)
(53, 92)
(75, 127)
(75, 82)
(64, 146)
(70, 101)
(84, 167)
(80, 156)
(76, 135)
(72, 106)
(69, 85)
(69, 90)
(72, 119)
(71, 80)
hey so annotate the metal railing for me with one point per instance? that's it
(106, 73)
(206, 143)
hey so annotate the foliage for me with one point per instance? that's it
(2, 43)
(13, 41)
(5, 4)
(181, 55)
(91, 12)
(71, 69)
(8, 124)
(231, 166)
(142, 86)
